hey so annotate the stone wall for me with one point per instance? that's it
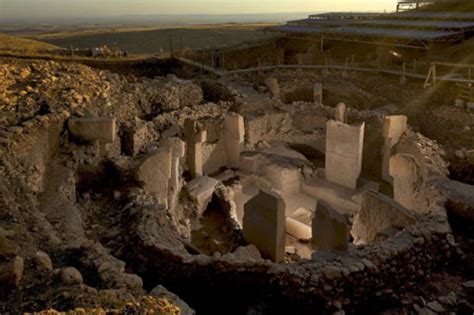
(384, 271)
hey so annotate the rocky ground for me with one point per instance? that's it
(63, 242)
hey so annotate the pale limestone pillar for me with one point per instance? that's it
(234, 138)
(344, 147)
(194, 139)
(393, 128)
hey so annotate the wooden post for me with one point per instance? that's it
(428, 77)
(203, 60)
(434, 74)
(403, 78)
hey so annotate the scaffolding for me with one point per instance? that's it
(406, 5)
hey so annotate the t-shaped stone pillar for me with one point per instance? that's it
(234, 138)
(194, 139)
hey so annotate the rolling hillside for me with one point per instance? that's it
(145, 41)
(8, 42)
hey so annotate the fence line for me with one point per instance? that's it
(401, 73)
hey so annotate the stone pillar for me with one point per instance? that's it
(178, 148)
(154, 172)
(318, 93)
(194, 139)
(393, 128)
(405, 172)
(330, 230)
(340, 114)
(234, 138)
(344, 145)
(264, 225)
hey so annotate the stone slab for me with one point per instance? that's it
(344, 145)
(379, 213)
(154, 172)
(200, 190)
(394, 127)
(101, 129)
(330, 230)
(264, 225)
(406, 176)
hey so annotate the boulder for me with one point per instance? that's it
(70, 276)
(7, 247)
(298, 230)
(470, 157)
(161, 292)
(12, 272)
(273, 86)
(43, 262)
(246, 253)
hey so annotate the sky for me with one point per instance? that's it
(92, 8)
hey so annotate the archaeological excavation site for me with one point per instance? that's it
(327, 169)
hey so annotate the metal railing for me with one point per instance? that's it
(431, 78)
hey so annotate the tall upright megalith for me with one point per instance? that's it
(234, 138)
(344, 146)
(264, 225)
(393, 128)
(194, 140)
(406, 178)
(154, 172)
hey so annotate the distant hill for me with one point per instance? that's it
(8, 42)
(150, 41)
(155, 19)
